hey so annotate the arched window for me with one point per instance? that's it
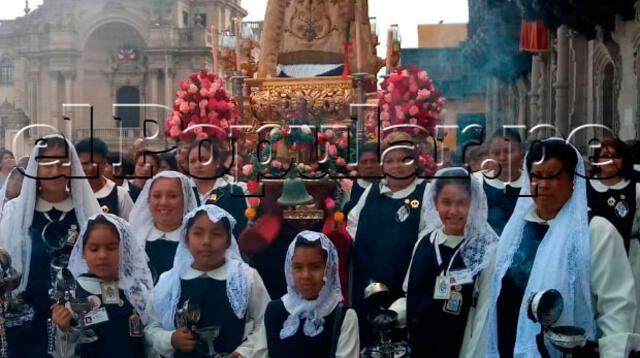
(6, 71)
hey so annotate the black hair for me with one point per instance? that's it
(553, 149)
(208, 144)
(622, 151)
(91, 224)
(369, 147)
(52, 142)
(128, 165)
(457, 176)
(225, 223)
(170, 159)
(92, 145)
(316, 244)
(113, 157)
(146, 155)
(509, 134)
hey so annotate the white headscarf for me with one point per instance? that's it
(167, 292)
(313, 312)
(134, 276)
(3, 191)
(18, 214)
(562, 262)
(480, 240)
(141, 219)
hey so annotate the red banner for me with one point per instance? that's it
(534, 36)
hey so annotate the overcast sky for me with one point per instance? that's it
(406, 13)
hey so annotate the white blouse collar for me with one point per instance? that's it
(105, 190)
(219, 274)
(384, 189)
(90, 284)
(157, 234)
(600, 187)
(447, 240)
(533, 216)
(64, 206)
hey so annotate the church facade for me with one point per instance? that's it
(72, 60)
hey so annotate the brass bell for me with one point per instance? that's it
(294, 192)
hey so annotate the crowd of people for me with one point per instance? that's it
(151, 242)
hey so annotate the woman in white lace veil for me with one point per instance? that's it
(24, 220)
(18, 213)
(167, 292)
(480, 239)
(157, 216)
(134, 277)
(565, 267)
(312, 312)
(11, 186)
(141, 218)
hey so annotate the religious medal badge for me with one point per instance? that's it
(622, 209)
(405, 210)
(442, 289)
(135, 325)
(110, 293)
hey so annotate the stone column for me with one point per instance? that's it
(53, 98)
(153, 99)
(562, 81)
(534, 94)
(68, 88)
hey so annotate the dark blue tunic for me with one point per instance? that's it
(383, 246)
(110, 202)
(231, 198)
(160, 253)
(313, 347)
(514, 284)
(211, 295)
(501, 203)
(114, 338)
(434, 332)
(31, 340)
(616, 205)
(356, 193)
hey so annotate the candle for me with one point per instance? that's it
(236, 21)
(389, 49)
(358, 35)
(214, 49)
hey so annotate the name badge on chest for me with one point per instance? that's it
(96, 316)
(460, 277)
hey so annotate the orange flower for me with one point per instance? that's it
(250, 213)
(338, 216)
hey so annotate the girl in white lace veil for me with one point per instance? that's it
(141, 219)
(134, 277)
(18, 213)
(566, 265)
(311, 311)
(479, 238)
(167, 292)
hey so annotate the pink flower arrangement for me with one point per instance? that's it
(408, 96)
(201, 99)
